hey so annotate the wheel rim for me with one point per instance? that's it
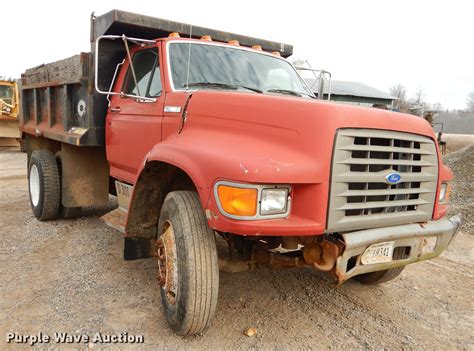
(167, 274)
(34, 185)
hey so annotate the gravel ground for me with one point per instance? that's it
(462, 200)
(69, 276)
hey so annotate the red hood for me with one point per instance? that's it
(307, 117)
(263, 134)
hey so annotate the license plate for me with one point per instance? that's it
(378, 253)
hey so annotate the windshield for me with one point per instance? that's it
(222, 67)
(6, 92)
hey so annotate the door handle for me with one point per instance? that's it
(115, 109)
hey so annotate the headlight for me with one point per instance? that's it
(249, 201)
(444, 192)
(273, 201)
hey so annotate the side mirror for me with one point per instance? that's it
(127, 49)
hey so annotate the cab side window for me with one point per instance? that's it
(147, 70)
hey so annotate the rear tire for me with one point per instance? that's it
(187, 264)
(44, 185)
(379, 277)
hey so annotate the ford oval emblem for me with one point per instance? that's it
(393, 178)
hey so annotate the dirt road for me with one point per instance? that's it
(69, 276)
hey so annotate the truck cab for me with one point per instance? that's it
(202, 137)
(161, 76)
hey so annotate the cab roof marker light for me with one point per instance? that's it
(276, 53)
(234, 42)
(174, 35)
(206, 37)
(257, 47)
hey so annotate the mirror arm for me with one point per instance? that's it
(96, 64)
(124, 38)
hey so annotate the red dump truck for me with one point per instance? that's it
(204, 135)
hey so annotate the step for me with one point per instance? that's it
(116, 219)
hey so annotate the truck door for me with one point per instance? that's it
(134, 126)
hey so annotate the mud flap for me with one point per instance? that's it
(137, 248)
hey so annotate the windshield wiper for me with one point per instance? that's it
(221, 85)
(288, 92)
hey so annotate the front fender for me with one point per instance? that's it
(445, 175)
(209, 154)
(207, 157)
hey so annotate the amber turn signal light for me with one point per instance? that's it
(238, 201)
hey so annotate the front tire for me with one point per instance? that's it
(188, 270)
(44, 185)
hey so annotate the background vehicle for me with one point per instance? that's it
(201, 136)
(9, 112)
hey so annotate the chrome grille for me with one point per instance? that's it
(360, 195)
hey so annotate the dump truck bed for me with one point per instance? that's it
(59, 100)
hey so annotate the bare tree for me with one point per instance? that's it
(419, 97)
(470, 102)
(400, 92)
(417, 105)
(438, 107)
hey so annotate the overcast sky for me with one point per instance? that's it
(425, 45)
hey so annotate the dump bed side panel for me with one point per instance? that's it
(58, 102)
(67, 71)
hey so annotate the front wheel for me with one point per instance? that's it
(188, 270)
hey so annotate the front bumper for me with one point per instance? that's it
(407, 235)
